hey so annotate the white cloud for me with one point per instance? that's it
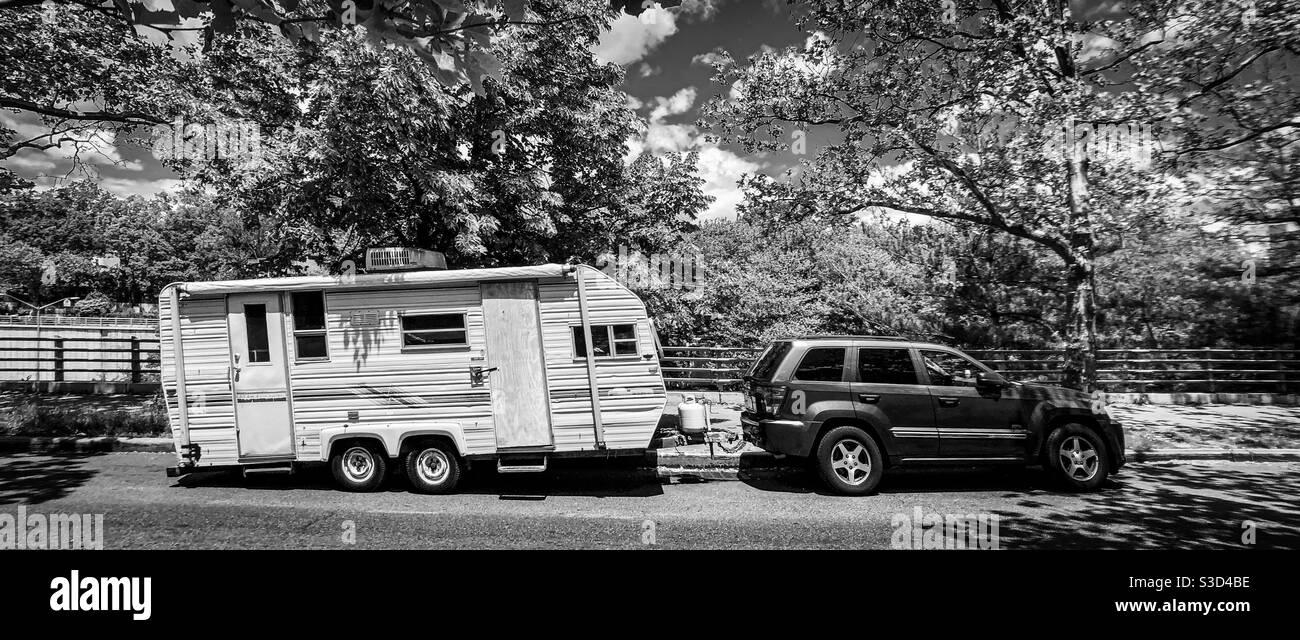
(711, 58)
(645, 70)
(676, 104)
(630, 38)
(721, 169)
(145, 187)
(26, 163)
(94, 146)
(662, 137)
(699, 9)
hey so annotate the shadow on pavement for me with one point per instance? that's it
(798, 478)
(33, 479)
(623, 477)
(1176, 506)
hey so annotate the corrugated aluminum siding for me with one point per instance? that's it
(369, 372)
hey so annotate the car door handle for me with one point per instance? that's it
(868, 397)
(949, 402)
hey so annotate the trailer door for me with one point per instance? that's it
(258, 375)
(520, 402)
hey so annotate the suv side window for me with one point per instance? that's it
(886, 366)
(822, 364)
(949, 369)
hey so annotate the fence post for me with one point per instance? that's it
(58, 359)
(1209, 368)
(135, 359)
(1281, 371)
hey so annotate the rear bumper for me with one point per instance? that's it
(789, 437)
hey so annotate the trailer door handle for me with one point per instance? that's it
(478, 375)
(234, 373)
(949, 402)
(870, 398)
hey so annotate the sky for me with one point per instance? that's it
(665, 53)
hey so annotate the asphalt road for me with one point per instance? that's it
(1154, 505)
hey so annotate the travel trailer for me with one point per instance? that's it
(423, 368)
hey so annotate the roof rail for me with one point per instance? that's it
(851, 337)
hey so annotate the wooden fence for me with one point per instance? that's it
(1118, 370)
(78, 350)
(130, 354)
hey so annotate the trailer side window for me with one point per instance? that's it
(309, 334)
(607, 340)
(434, 330)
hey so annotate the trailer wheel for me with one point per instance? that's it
(432, 468)
(358, 468)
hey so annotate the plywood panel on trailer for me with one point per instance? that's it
(520, 405)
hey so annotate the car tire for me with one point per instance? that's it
(849, 461)
(432, 468)
(1077, 457)
(359, 467)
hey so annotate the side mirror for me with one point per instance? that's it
(990, 379)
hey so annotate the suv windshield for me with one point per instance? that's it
(765, 366)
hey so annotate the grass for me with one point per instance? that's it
(36, 415)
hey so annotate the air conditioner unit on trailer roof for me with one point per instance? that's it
(403, 259)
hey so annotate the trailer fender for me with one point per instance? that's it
(390, 436)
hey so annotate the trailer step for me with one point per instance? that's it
(521, 465)
(285, 468)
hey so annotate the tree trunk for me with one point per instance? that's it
(1080, 368)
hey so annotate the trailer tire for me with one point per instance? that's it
(358, 467)
(432, 468)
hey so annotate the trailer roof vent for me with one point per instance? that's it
(403, 259)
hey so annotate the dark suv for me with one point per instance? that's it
(857, 404)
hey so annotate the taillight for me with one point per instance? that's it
(773, 398)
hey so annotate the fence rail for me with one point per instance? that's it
(1118, 370)
(135, 359)
(74, 359)
(54, 320)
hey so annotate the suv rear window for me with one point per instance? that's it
(886, 366)
(824, 364)
(765, 367)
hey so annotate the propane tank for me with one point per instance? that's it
(691, 416)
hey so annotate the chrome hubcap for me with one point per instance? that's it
(432, 466)
(1079, 459)
(358, 464)
(850, 462)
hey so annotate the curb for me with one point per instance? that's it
(1230, 455)
(72, 444)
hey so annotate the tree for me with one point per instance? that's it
(532, 169)
(762, 281)
(82, 76)
(1004, 115)
(92, 71)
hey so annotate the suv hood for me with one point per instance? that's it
(1056, 394)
